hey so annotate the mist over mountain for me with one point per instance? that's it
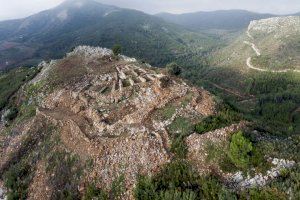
(223, 19)
(52, 33)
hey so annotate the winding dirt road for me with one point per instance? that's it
(258, 53)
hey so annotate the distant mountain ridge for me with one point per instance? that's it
(220, 19)
(51, 33)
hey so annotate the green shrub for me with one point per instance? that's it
(94, 193)
(117, 49)
(174, 69)
(116, 191)
(179, 148)
(239, 150)
(263, 194)
(178, 180)
(11, 114)
(17, 180)
(224, 118)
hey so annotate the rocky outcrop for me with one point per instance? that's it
(260, 179)
(2, 194)
(280, 26)
(196, 143)
(104, 110)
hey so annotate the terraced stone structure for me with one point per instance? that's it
(111, 111)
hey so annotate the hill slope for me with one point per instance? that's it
(223, 19)
(97, 117)
(269, 44)
(94, 125)
(52, 33)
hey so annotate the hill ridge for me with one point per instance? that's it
(270, 25)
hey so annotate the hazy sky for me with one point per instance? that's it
(10, 9)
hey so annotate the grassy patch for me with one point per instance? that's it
(224, 118)
(179, 129)
(165, 113)
(116, 191)
(65, 170)
(187, 99)
(17, 180)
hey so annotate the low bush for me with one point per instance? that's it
(224, 118)
(94, 193)
(17, 180)
(116, 191)
(288, 183)
(117, 49)
(174, 69)
(179, 148)
(180, 127)
(266, 193)
(11, 114)
(166, 112)
(239, 150)
(65, 170)
(179, 181)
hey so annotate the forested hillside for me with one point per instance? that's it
(222, 20)
(52, 33)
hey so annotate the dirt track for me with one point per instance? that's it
(258, 53)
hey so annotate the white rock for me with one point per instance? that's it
(238, 177)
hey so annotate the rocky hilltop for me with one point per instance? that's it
(281, 26)
(92, 116)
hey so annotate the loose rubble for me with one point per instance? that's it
(260, 180)
(108, 113)
(2, 194)
(272, 25)
(197, 142)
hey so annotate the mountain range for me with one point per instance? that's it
(52, 33)
(222, 19)
(156, 39)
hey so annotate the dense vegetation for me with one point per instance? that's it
(178, 180)
(11, 81)
(225, 117)
(278, 102)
